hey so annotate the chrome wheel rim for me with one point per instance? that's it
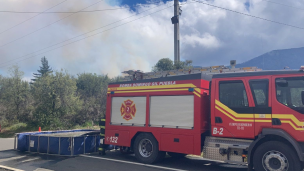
(145, 148)
(275, 161)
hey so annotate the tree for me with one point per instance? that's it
(92, 89)
(44, 70)
(56, 101)
(15, 96)
(117, 79)
(183, 64)
(166, 64)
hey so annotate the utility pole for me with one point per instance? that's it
(175, 21)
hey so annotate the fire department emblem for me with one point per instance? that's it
(128, 110)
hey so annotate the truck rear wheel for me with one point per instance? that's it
(146, 149)
(275, 156)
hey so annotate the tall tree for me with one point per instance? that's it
(44, 70)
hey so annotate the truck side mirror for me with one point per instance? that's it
(302, 96)
(282, 83)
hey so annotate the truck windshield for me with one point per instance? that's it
(289, 92)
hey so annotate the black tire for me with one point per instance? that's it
(152, 154)
(274, 151)
(176, 155)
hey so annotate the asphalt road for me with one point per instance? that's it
(113, 161)
(6, 143)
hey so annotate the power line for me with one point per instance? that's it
(69, 12)
(277, 3)
(45, 26)
(62, 12)
(138, 19)
(251, 15)
(85, 34)
(91, 35)
(31, 17)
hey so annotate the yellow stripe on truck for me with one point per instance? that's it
(233, 112)
(197, 94)
(185, 89)
(288, 116)
(159, 90)
(294, 127)
(267, 117)
(263, 121)
(238, 120)
(152, 87)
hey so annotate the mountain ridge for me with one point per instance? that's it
(292, 58)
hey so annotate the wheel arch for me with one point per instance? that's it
(270, 134)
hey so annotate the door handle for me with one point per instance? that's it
(276, 121)
(218, 120)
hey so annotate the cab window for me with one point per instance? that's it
(233, 94)
(259, 90)
(288, 92)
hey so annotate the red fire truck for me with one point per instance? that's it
(254, 118)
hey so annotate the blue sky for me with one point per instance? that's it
(133, 2)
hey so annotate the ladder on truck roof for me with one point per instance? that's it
(140, 75)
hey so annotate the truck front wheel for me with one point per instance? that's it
(146, 149)
(275, 156)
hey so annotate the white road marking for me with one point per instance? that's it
(42, 169)
(9, 168)
(30, 160)
(135, 163)
(12, 158)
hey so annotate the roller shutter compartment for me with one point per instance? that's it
(172, 111)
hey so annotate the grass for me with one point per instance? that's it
(87, 125)
(9, 132)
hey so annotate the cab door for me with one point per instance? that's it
(262, 103)
(233, 111)
(288, 108)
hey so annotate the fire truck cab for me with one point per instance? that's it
(254, 118)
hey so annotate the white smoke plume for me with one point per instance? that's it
(209, 36)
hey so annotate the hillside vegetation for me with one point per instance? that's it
(52, 100)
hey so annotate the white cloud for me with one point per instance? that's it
(206, 40)
(209, 36)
